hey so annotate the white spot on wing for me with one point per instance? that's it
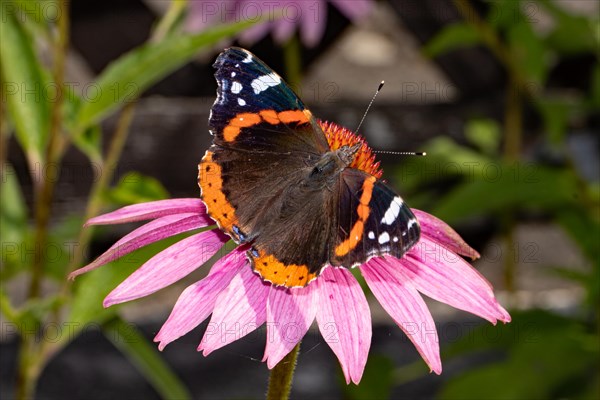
(410, 223)
(236, 87)
(248, 58)
(264, 82)
(395, 239)
(232, 74)
(241, 102)
(383, 238)
(371, 235)
(393, 211)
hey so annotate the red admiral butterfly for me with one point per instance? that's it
(302, 193)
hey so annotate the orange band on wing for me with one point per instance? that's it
(292, 116)
(363, 211)
(270, 116)
(247, 120)
(211, 184)
(271, 269)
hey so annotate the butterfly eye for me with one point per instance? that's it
(316, 171)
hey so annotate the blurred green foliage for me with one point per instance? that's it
(46, 122)
(480, 178)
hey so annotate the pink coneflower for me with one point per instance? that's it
(308, 16)
(240, 301)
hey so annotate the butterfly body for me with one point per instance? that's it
(275, 180)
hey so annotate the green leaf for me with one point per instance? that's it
(13, 212)
(485, 134)
(13, 222)
(89, 141)
(62, 246)
(376, 382)
(529, 52)
(445, 160)
(450, 38)
(24, 87)
(572, 34)
(583, 228)
(555, 113)
(146, 358)
(136, 188)
(91, 289)
(40, 11)
(529, 369)
(503, 14)
(126, 78)
(502, 187)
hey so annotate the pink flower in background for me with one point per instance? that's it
(308, 16)
(240, 301)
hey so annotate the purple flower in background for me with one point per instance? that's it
(308, 16)
(240, 301)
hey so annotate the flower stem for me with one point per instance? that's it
(293, 61)
(109, 165)
(44, 188)
(280, 380)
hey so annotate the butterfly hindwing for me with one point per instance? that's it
(373, 221)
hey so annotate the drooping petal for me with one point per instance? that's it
(197, 301)
(168, 266)
(202, 14)
(406, 307)
(255, 33)
(354, 9)
(314, 19)
(284, 27)
(440, 232)
(150, 210)
(290, 312)
(344, 320)
(153, 231)
(446, 277)
(239, 310)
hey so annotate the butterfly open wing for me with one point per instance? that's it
(256, 181)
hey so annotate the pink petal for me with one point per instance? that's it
(239, 310)
(153, 231)
(150, 210)
(197, 301)
(284, 27)
(446, 277)
(256, 32)
(344, 320)
(290, 312)
(406, 307)
(314, 18)
(202, 14)
(354, 9)
(168, 266)
(440, 232)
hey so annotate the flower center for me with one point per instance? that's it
(338, 136)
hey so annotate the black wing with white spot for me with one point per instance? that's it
(246, 85)
(389, 226)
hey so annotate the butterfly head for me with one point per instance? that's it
(352, 149)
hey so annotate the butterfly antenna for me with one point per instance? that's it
(369, 107)
(402, 153)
